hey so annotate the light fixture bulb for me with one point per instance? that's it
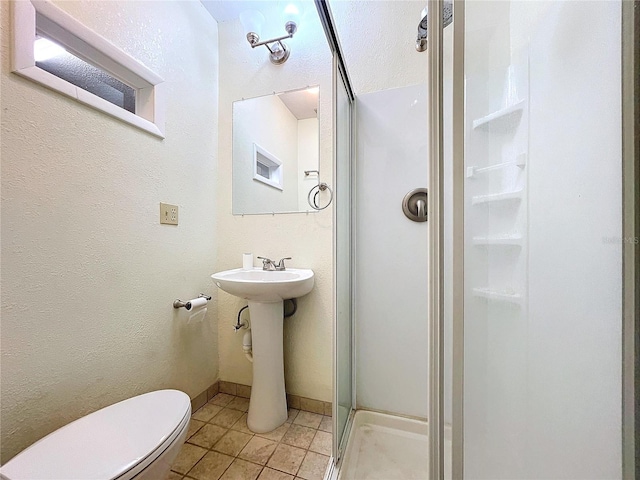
(292, 15)
(252, 22)
(44, 49)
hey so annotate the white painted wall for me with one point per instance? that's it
(245, 73)
(268, 123)
(88, 273)
(378, 39)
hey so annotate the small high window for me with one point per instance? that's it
(54, 49)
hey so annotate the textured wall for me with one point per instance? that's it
(88, 273)
(378, 40)
(307, 238)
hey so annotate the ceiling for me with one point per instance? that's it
(302, 103)
(225, 10)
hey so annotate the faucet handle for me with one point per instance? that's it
(266, 262)
(280, 264)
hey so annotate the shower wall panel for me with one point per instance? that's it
(391, 258)
(542, 384)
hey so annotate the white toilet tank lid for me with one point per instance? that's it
(105, 444)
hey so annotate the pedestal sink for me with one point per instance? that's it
(265, 291)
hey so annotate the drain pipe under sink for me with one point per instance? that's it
(246, 345)
(246, 339)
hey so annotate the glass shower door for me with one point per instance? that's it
(542, 240)
(343, 400)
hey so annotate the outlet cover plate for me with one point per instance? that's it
(168, 214)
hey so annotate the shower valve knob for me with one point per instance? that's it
(414, 205)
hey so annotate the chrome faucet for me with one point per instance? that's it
(280, 265)
(268, 264)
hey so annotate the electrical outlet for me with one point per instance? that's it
(168, 214)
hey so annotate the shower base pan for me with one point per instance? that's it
(386, 447)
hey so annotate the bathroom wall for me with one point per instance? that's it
(88, 273)
(307, 237)
(378, 41)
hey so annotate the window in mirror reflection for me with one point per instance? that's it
(268, 169)
(275, 139)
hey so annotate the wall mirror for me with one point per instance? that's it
(275, 152)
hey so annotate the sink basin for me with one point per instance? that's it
(265, 291)
(265, 285)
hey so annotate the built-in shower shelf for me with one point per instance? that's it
(497, 197)
(519, 161)
(508, 240)
(504, 116)
(498, 295)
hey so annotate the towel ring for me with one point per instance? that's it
(321, 187)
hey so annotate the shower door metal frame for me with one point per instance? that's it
(435, 241)
(631, 235)
(458, 172)
(340, 74)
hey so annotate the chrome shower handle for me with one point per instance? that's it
(414, 205)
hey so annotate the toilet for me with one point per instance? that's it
(138, 438)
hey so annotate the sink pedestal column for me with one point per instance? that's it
(268, 404)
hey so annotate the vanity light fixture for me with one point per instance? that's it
(278, 52)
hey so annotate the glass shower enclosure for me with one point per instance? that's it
(518, 289)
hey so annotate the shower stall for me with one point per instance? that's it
(496, 339)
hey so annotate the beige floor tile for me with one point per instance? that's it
(174, 476)
(271, 474)
(194, 426)
(241, 470)
(241, 425)
(286, 458)
(187, 458)
(277, 434)
(322, 443)
(239, 403)
(226, 417)
(211, 467)
(232, 442)
(299, 436)
(308, 419)
(326, 424)
(221, 399)
(258, 450)
(293, 413)
(207, 412)
(313, 466)
(208, 435)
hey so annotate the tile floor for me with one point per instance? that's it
(220, 446)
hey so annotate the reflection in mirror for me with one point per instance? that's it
(275, 141)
